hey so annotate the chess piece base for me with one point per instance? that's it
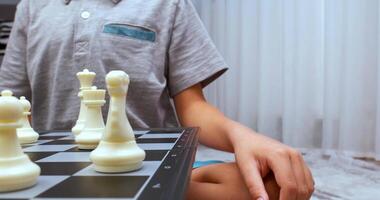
(27, 135)
(87, 146)
(89, 139)
(118, 169)
(17, 173)
(112, 157)
(76, 130)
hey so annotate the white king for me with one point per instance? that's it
(117, 151)
(86, 78)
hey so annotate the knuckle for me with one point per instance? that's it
(251, 187)
(253, 190)
(287, 152)
(304, 191)
(291, 187)
(311, 190)
(281, 152)
(295, 153)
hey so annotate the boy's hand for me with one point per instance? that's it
(257, 155)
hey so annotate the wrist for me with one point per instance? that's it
(236, 132)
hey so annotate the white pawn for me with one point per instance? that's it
(26, 134)
(94, 126)
(16, 169)
(86, 78)
(117, 151)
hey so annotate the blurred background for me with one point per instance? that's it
(305, 72)
(7, 9)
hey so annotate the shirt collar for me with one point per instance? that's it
(114, 1)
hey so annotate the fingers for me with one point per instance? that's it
(281, 166)
(309, 178)
(299, 172)
(271, 187)
(252, 177)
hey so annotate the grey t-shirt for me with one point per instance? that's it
(161, 44)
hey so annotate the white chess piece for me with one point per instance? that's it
(26, 134)
(117, 151)
(86, 78)
(94, 126)
(16, 169)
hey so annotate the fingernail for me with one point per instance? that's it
(260, 198)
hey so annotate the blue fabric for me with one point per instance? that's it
(198, 164)
(130, 31)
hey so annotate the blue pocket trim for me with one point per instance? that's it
(136, 32)
(198, 164)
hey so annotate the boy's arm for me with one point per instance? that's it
(256, 155)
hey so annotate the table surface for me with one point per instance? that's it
(67, 173)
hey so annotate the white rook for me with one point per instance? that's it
(93, 129)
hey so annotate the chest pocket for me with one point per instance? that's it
(128, 47)
(131, 31)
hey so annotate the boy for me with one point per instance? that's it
(166, 51)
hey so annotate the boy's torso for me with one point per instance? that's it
(65, 37)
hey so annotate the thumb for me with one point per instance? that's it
(252, 177)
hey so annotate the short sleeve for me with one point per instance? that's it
(13, 75)
(192, 56)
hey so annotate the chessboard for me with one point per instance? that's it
(67, 172)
